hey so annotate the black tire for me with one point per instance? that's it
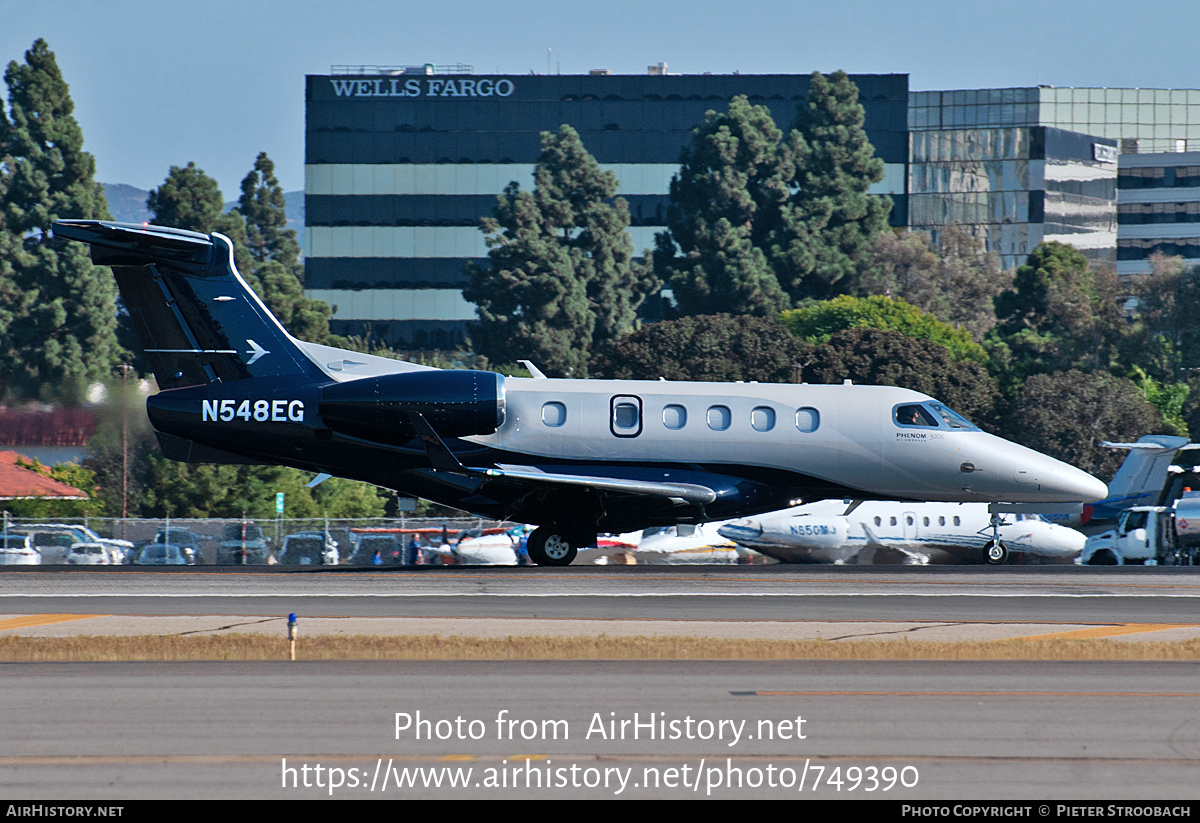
(547, 547)
(995, 553)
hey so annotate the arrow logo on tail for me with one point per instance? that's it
(256, 350)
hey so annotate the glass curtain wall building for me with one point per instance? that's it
(401, 164)
(1158, 209)
(991, 131)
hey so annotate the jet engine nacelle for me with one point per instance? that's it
(809, 532)
(456, 402)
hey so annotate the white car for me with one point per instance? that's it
(90, 554)
(18, 550)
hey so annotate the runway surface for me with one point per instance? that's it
(928, 730)
(967, 594)
(963, 731)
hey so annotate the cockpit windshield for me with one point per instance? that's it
(953, 419)
(934, 415)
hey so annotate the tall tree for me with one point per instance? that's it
(264, 209)
(1060, 314)
(190, 199)
(58, 316)
(561, 274)
(829, 221)
(725, 201)
(276, 254)
(957, 281)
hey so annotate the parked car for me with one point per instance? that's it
(54, 540)
(90, 554)
(188, 540)
(163, 554)
(309, 549)
(18, 550)
(243, 544)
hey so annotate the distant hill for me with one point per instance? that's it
(128, 205)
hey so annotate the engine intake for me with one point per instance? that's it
(456, 402)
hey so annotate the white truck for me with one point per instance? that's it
(1151, 536)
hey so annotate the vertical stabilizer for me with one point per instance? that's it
(197, 319)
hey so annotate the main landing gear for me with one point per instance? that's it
(548, 547)
(995, 552)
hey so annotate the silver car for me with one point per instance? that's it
(18, 550)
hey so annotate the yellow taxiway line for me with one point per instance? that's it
(28, 620)
(1108, 631)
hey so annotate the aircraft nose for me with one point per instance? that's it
(1067, 483)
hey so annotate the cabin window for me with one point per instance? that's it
(941, 521)
(625, 419)
(926, 521)
(893, 520)
(808, 419)
(909, 519)
(878, 521)
(956, 522)
(674, 417)
(719, 418)
(625, 416)
(554, 414)
(762, 419)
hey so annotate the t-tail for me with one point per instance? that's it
(196, 318)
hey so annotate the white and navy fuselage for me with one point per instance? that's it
(588, 455)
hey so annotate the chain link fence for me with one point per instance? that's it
(233, 541)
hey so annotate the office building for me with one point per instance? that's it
(1158, 209)
(401, 163)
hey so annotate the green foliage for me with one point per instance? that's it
(1168, 398)
(1067, 414)
(561, 274)
(1060, 314)
(715, 347)
(726, 199)
(957, 282)
(218, 490)
(1165, 339)
(70, 473)
(818, 322)
(265, 251)
(57, 311)
(890, 358)
(829, 222)
(758, 220)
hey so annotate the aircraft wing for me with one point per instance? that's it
(443, 460)
(684, 492)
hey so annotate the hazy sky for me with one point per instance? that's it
(157, 83)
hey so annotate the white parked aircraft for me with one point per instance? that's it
(890, 531)
(575, 457)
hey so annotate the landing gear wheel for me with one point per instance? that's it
(549, 548)
(995, 553)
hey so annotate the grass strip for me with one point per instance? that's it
(602, 647)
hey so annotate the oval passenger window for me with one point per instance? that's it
(554, 414)
(762, 419)
(808, 419)
(674, 417)
(719, 418)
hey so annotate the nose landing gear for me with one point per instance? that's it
(995, 552)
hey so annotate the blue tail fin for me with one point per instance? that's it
(196, 318)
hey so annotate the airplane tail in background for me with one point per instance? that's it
(197, 319)
(1143, 475)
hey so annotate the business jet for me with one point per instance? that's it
(574, 457)
(911, 533)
